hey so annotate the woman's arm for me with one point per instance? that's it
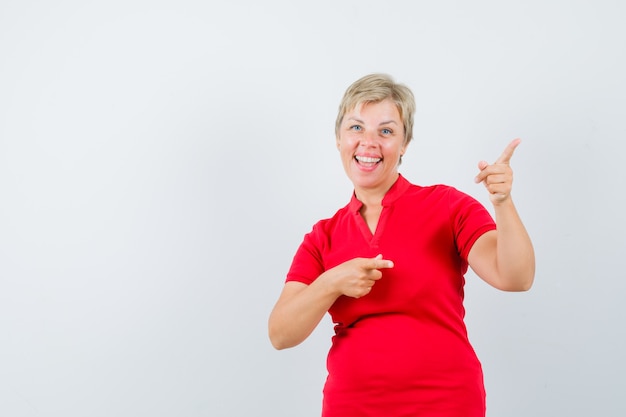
(297, 312)
(300, 307)
(505, 257)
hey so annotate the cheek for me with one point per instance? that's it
(346, 155)
(393, 148)
(346, 143)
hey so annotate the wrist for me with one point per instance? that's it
(505, 201)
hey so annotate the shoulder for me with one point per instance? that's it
(432, 193)
(440, 200)
(324, 226)
(448, 193)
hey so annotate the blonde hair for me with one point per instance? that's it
(375, 88)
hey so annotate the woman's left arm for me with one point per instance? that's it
(505, 257)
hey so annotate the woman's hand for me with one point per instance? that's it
(356, 277)
(300, 307)
(505, 257)
(498, 177)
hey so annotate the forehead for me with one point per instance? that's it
(386, 108)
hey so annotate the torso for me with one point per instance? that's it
(402, 350)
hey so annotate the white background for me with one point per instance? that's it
(160, 162)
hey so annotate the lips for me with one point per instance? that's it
(367, 160)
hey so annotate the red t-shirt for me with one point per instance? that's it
(401, 350)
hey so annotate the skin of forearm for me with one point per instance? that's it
(515, 256)
(294, 319)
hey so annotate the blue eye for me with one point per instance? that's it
(356, 127)
(387, 131)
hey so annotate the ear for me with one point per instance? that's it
(337, 143)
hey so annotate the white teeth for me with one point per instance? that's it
(367, 159)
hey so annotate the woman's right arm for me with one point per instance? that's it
(300, 307)
(298, 311)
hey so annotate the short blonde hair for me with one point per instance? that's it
(374, 88)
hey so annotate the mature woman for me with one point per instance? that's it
(389, 268)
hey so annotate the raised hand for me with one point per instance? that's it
(356, 277)
(498, 177)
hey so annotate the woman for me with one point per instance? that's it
(389, 269)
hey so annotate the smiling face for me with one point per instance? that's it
(371, 140)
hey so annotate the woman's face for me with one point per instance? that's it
(371, 141)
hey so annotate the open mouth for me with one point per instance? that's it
(367, 160)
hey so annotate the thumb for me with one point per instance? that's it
(481, 175)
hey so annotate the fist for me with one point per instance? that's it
(498, 177)
(356, 277)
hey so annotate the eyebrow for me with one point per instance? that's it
(380, 124)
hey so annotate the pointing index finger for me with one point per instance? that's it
(379, 262)
(508, 152)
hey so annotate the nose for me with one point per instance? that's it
(368, 139)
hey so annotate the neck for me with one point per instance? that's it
(373, 197)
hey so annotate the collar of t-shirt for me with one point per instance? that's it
(397, 189)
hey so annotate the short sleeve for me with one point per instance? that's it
(307, 263)
(469, 219)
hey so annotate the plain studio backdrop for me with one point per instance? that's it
(160, 162)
